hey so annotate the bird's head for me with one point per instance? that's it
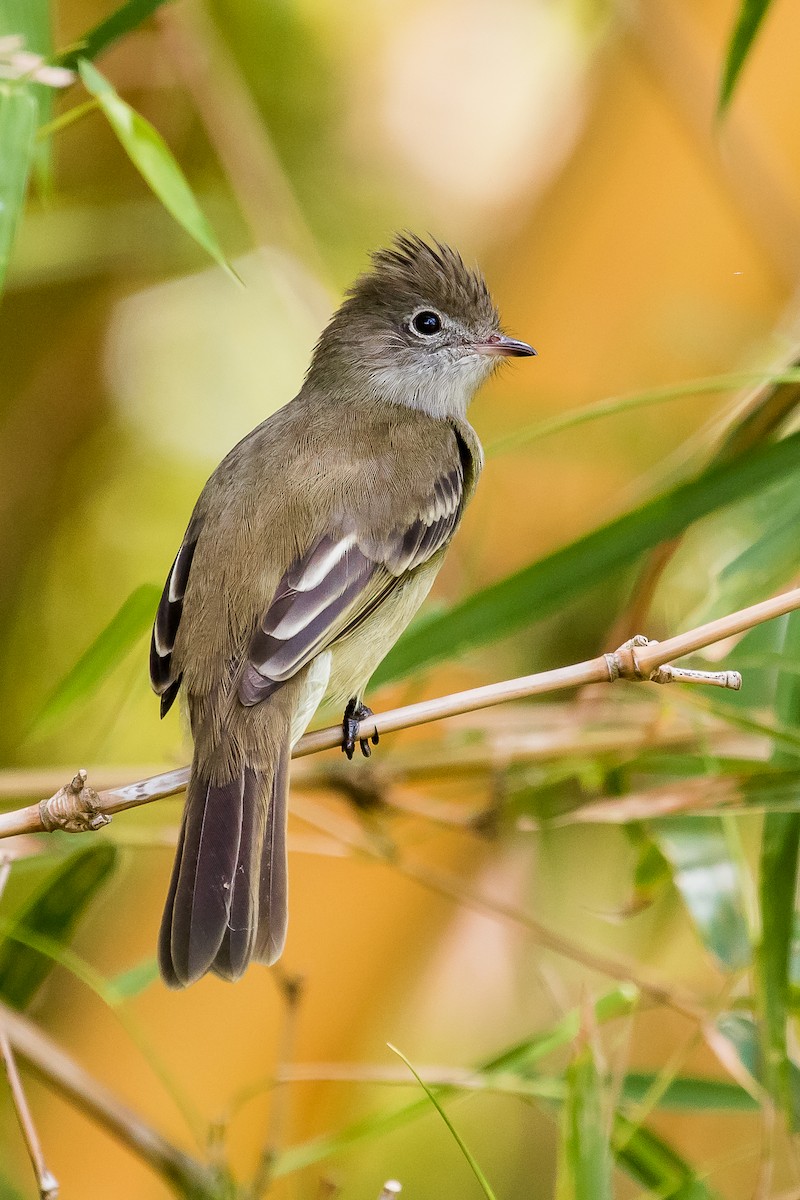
(420, 328)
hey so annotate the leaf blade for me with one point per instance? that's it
(748, 23)
(548, 584)
(153, 159)
(131, 621)
(18, 117)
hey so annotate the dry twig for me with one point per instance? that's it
(78, 807)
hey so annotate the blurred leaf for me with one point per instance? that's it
(126, 18)
(654, 1164)
(614, 405)
(780, 842)
(685, 1092)
(748, 23)
(52, 913)
(18, 116)
(476, 1170)
(769, 560)
(546, 586)
(707, 878)
(31, 20)
(152, 157)
(106, 652)
(618, 1002)
(135, 981)
(584, 1161)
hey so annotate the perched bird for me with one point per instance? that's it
(308, 552)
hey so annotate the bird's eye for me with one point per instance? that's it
(427, 323)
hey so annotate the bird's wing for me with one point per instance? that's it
(165, 628)
(338, 582)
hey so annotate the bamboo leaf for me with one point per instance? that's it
(106, 652)
(30, 19)
(748, 23)
(134, 981)
(584, 1162)
(654, 1164)
(618, 1002)
(780, 843)
(124, 20)
(153, 159)
(476, 1170)
(18, 116)
(546, 586)
(707, 877)
(52, 913)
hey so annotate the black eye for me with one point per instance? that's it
(427, 323)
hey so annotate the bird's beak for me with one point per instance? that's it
(505, 347)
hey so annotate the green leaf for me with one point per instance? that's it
(748, 23)
(134, 981)
(618, 1002)
(106, 652)
(546, 586)
(30, 19)
(780, 843)
(18, 117)
(53, 913)
(707, 877)
(654, 1164)
(153, 159)
(429, 1092)
(690, 1093)
(584, 1163)
(126, 18)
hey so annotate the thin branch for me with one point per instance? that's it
(47, 1182)
(78, 807)
(54, 1066)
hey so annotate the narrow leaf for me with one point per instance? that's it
(654, 1164)
(30, 19)
(546, 586)
(476, 1170)
(584, 1165)
(135, 981)
(707, 877)
(53, 913)
(18, 116)
(780, 843)
(153, 159)
(618, 1002)
(126, 18)
(106, 652)
(748, 23)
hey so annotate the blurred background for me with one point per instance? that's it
(572, 148)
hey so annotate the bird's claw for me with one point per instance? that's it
(354, 714)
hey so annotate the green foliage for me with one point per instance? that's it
(53, 914)
(18, 116)
(111, 646)
(430, 1093)
(153, 159)
(120, 22)
(748, 23)
(584, 1164)
(548, 585)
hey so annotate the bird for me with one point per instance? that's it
(309, 550)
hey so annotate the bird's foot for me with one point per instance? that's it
(354, 714)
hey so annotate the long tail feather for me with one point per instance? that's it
(273, 912)
(227, 901)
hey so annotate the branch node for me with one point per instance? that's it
(623, 663)
(74, 808)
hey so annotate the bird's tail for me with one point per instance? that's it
(227, 901)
